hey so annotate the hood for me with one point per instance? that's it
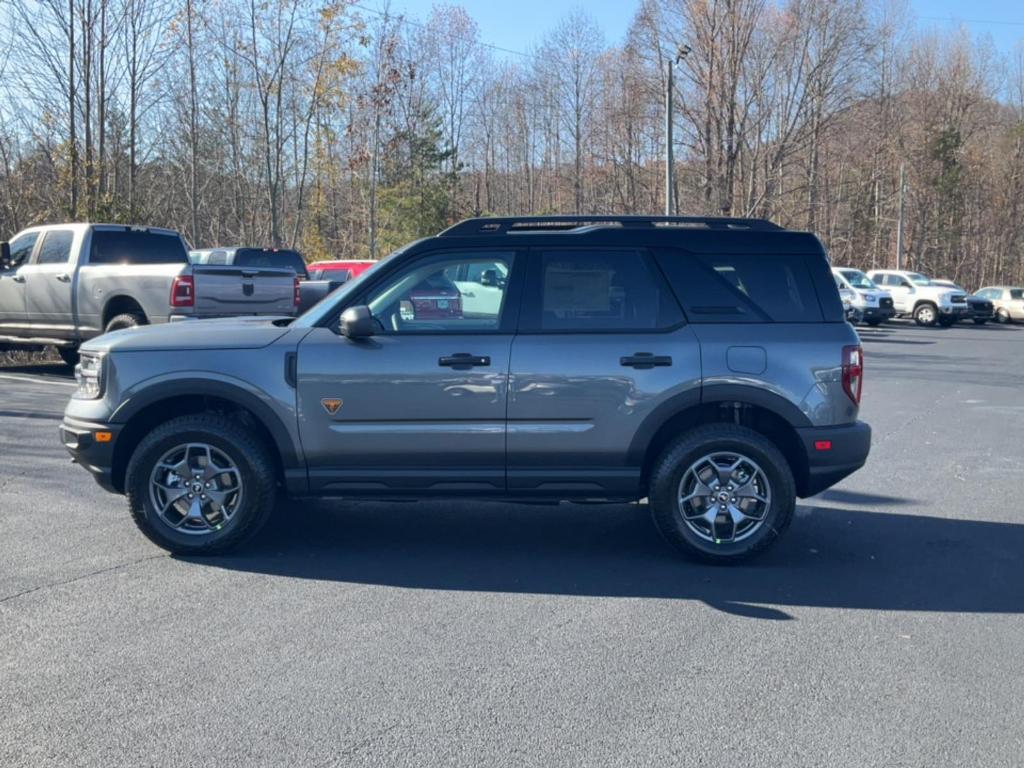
(221, 333)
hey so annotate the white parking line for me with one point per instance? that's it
(35, 380)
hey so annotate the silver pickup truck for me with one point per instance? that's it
(63, 284)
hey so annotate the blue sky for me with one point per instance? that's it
(518, 24)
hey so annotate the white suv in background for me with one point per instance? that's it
(916, 296)
(871, 304)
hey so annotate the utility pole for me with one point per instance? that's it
(670, 163)
(899, 224)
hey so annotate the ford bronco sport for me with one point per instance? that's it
(700, 363)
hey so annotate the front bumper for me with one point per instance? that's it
(79, 437)
(877, 313)
(847, 451)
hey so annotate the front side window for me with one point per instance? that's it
(21, 249)
(610, 291)
(56, 247)
(436, 296)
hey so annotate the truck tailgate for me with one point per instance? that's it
(227, 290)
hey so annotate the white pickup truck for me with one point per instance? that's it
(63, 284)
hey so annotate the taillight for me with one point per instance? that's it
(853, 372)
(183, 291)
(297, 295)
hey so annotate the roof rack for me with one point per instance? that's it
(501, 225)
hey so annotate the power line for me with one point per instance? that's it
(954, 20)
(406, 20)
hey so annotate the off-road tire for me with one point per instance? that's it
(125, 320)
(249, 453)
(674, 461)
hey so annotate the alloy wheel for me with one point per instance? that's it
(195, 488)
(724, 497)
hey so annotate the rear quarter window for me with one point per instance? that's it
(743, 288)
(136, 247)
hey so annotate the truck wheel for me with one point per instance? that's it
(722, 493)
(1002, 316)
(69, 355)
(926, 314)
(200, 484)
(126, 320)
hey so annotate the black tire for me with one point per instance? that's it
(1002, 316)
(250, 455)
(125, 320)
(69, 355)
(926, 314)
(947, 322)
(676, 459)
(980, 320)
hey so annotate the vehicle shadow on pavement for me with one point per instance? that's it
(830, 557)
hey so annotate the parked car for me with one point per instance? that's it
(916, 296)
(342, 270)
(703, 364)
(66, 283)
(277, 258)
(979, 310)
(1007, 301)
(871, 304)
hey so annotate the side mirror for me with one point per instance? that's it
(5, 255)
(357, 323)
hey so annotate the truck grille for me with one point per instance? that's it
(885, 302)
(958, 299)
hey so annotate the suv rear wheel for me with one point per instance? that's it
(722, 492)
(200, 484)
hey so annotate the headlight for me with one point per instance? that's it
(89, 375)
(869, 298)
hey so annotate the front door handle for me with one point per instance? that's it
(463, 360)
(64, 277)
(645, 360)
(18, 278)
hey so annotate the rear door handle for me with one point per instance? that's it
(463, 360)
(64, 277)
(645, 360)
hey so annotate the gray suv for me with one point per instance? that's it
(703, 364)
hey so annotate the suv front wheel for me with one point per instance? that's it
(722, 492)
(200, 484)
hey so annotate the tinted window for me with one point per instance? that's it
(136, 247)
(1017, 293)
(613, 291)
(426, 298)
(56, 247)
(743, 288)
(21, 249)
(250, 257)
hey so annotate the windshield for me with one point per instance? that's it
(917, 279)
(858, 279)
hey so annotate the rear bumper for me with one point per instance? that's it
(79, 438)
(833, 453)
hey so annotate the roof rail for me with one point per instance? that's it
(500, 225)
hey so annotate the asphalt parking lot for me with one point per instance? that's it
(887, 628)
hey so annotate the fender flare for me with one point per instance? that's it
(226, 389)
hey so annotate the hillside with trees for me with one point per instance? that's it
(346, 131)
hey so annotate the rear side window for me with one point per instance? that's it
(598, 290)
(250, 257)
(742, 288)
(136, 247)
(56, 247)
(1017, 293)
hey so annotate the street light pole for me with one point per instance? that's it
(670, 163)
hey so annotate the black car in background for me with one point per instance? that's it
(979, 310)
